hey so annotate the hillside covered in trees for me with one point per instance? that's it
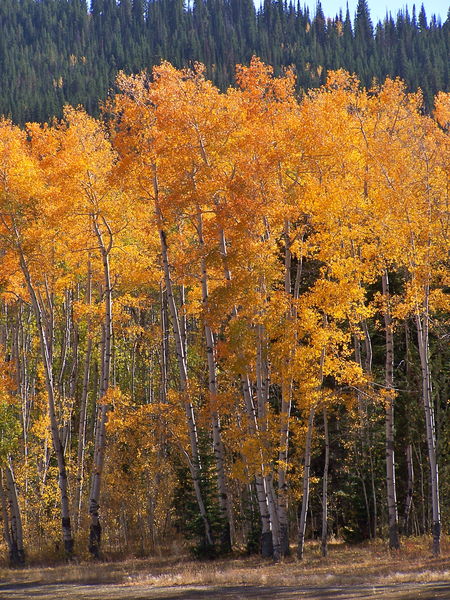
(225, 315)
(54, 52)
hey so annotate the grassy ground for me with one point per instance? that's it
(368, 571)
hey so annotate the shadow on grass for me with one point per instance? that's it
(39, 591)
(434, 591)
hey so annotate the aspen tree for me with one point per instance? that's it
(23, 225)
(83, 409)
(305, 495)
(199, 113)
(15, 539)
(137, 102)
(268, 103)
(245, 245)
(83, 160)
(389, 382)
(415, 183)
(9, 443)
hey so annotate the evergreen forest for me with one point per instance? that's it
(224, 314)
(54, 52)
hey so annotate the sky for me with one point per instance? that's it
(378, 8)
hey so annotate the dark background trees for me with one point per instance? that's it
(54, 52)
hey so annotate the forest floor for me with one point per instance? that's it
(348, 573)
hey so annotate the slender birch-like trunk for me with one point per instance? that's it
(394, 541)
(410, 485)
(219, 450)
(82, 433)
(15, 516)
(5, 513)
(83, 409)
(75, 358)
(69, 342)
(274, 518)
(253, 426)
(422, 323)
(307, 469)
(260, 485)
(366, 497)
(12, 518)
(17, 350)
(423, 524)
(45, 345)
(285, 412)
(368, 366)
(324, 540)
(65, 343)
(95, 529)
(305, 499)
(194, 459)
(364, 435)
(368, 346)
(262, 394)
(409, 488)
(164, 347)
(286, 397)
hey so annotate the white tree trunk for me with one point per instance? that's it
(324, 540)
(409, 488)
(422, 319)
(83, 410)
(219, 451)
(13, 519)
(95, 529)
(164, 347)
(262, 394)
(389, 384)
(285, 412)
(305, 499)
(81, 444)
(260, 485)
(267, 525)
(194, 459)
(5, 513)
(45, 346)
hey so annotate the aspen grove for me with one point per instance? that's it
(225, 316)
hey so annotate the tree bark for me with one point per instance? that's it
(394, 541)
(305, 499)
(219, 450)
(262, 395)
(409, 488)
(45, 346)
(260, 485)
(83, 409)
(365, 431)
(164, 347)
(285, 412)
(194, 459)
(5, 513)
(324, 540)
(95, 529)
(13, 519)
(422, 320)
(267, 525)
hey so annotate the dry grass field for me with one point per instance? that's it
(350, 572)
